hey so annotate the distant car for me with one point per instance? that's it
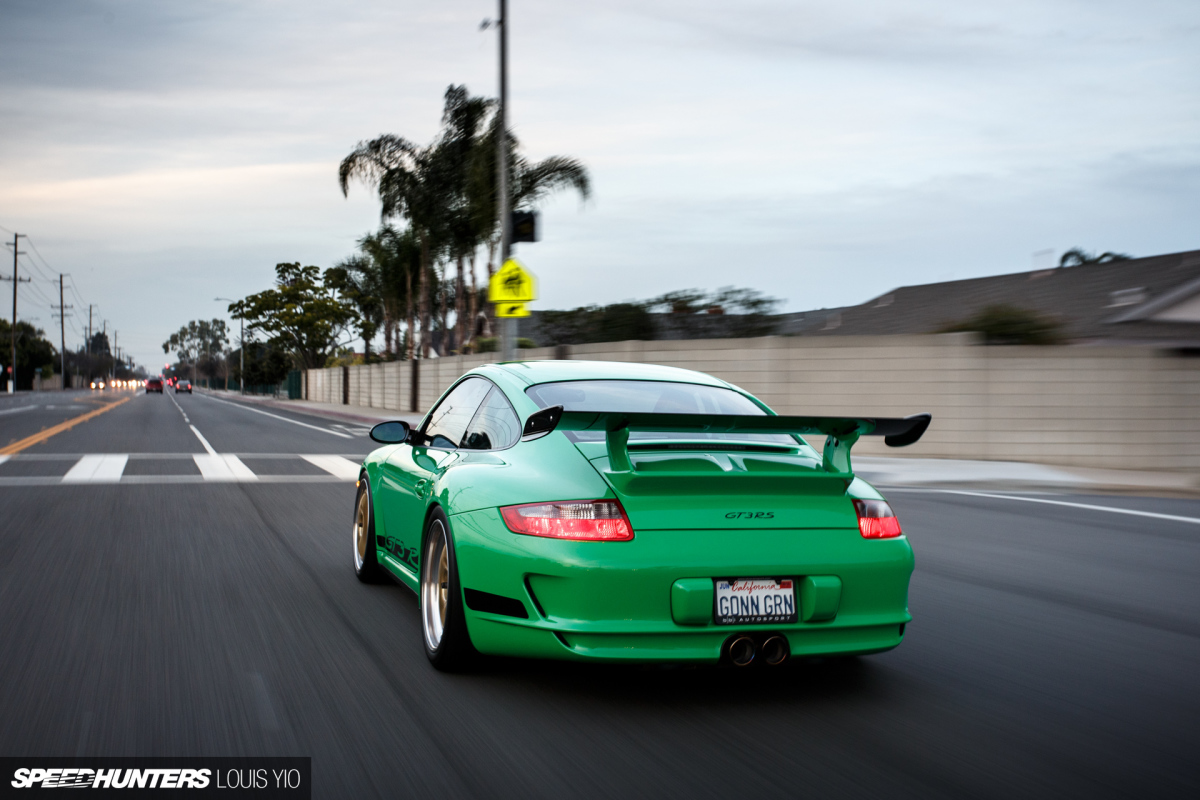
(629, 512)
(98, 384)
(183, 386)
(154, 385)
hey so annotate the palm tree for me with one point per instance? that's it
(448, 193)
(397, 256)
(407, 180)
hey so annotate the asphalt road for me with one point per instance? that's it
(1055, 650)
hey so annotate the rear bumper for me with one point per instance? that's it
(613, 600)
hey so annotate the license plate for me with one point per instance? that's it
(742, 601)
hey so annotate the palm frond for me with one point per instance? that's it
(370, 161)
(533, 183)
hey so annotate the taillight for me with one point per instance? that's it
(581, 520)
(876, 520)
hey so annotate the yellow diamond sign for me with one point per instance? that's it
(512, 284)
(511, 310)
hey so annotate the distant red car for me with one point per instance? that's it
(154, 385)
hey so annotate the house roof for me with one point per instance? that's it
(1112, 302)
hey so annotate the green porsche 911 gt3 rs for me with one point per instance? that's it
(626, 512)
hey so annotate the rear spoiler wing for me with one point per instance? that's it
(840, 432)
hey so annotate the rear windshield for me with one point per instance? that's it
(655, 397)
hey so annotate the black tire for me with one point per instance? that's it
(440, 597)
(366, 561)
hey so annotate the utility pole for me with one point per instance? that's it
(508, 325)
(16, 281)
(62, 331)
(115, 354)
(89, 341)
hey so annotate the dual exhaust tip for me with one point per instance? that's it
(744, 650)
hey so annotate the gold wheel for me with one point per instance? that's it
(435, 585)
(362, 529)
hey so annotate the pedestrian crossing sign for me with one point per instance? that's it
(512, 284)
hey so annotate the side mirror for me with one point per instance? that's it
(393, 432)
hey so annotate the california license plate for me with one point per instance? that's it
(752, 601)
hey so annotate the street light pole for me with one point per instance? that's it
(508, 325)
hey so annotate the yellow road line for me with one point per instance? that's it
(41, 436)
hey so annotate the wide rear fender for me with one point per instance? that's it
(549, 468)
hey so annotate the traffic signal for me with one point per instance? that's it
(524, 226)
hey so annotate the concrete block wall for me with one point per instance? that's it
(1121, 407)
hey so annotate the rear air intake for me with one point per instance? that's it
(490, 603)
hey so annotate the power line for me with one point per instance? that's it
(37, 264)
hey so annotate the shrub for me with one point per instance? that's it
(1005, 324)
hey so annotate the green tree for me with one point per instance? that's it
(359, 280)
(1078, 257)
(198, 344)
(743, 312)
(265, 365)
(300, 316)
(33, 351)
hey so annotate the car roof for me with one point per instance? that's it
(534, 372)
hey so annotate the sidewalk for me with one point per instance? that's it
(1015, 475)
(884, 472)
(363, 414)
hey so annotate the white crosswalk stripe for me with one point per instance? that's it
(97, 469)
(217, 467)
(335, 465)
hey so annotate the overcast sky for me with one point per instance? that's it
(166, 153)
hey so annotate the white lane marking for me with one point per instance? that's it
(18, 410)
(276, 416)
(215, 467)
(1086, 506)
(4, 458)
(336, 465)
(181, 411)
(207, 447)
(97, 469)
